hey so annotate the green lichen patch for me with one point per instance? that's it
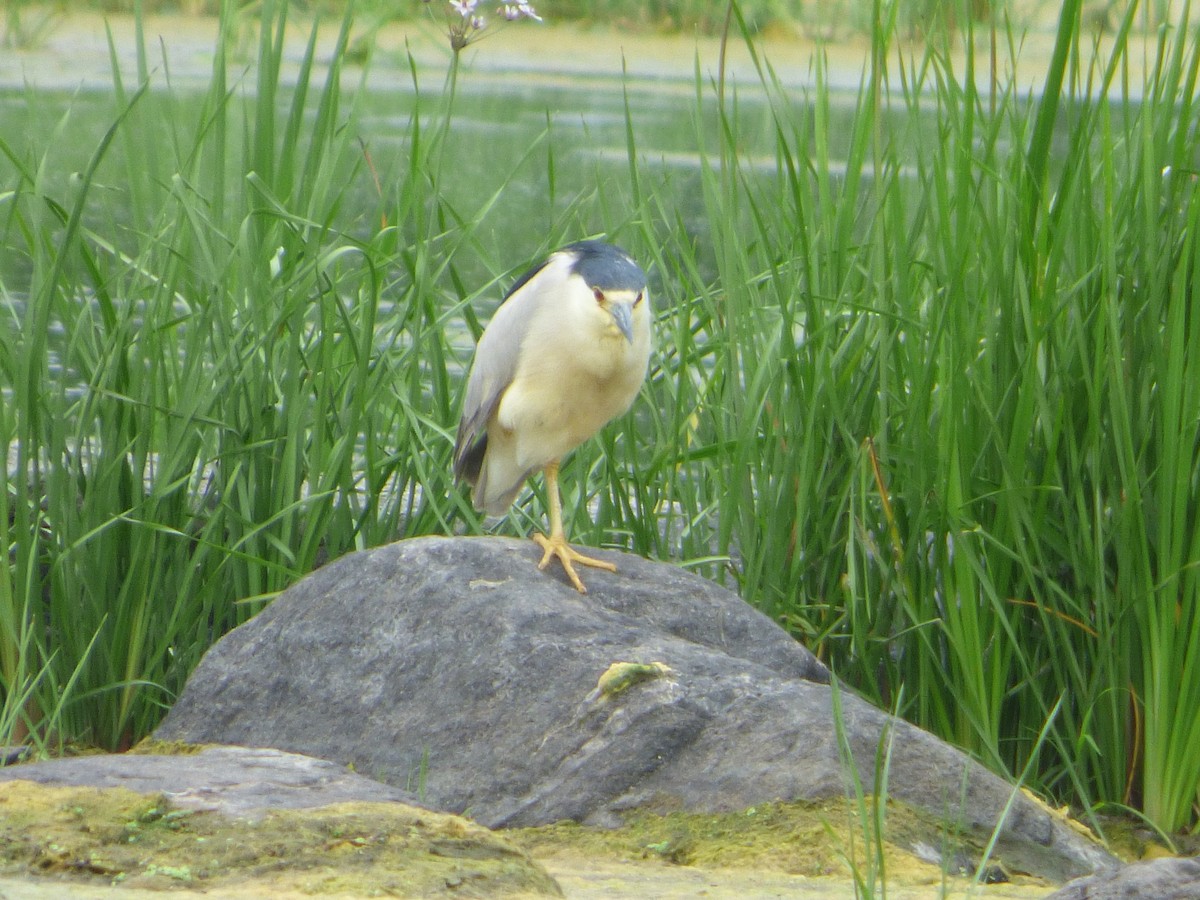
(369, 849)
(154, 747)
(815, 840)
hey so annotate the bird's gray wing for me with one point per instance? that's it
(493, 370)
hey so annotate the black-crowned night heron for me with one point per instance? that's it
(565, 353)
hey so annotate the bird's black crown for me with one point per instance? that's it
(606, 266)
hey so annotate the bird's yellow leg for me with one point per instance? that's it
(556, 544)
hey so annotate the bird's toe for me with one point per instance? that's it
(556, 547)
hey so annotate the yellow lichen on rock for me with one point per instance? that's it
(621, 676)
(776, 841)
(116, 836)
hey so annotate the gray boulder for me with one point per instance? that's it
(453, 666)
(1158, 879)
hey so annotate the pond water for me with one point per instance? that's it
(549, 113)
(538, 140)
(537, 129)
(549, 122)
(503, 132)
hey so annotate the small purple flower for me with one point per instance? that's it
(464, 24)
(514, 11)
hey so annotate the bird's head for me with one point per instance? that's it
(609, 278)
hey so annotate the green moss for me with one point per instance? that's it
(794, 838)
(382, 849)
(152, 747)
(1132, 839)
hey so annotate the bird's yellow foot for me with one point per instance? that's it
(568, 555)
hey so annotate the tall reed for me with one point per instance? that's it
(937, 406)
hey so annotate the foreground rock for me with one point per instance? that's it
(456, 664)
(239, 782)
(241, 822)
(1161, 879)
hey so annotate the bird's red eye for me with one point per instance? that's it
(598, 294)
(637, 299)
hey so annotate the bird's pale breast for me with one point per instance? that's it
(564, 395)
